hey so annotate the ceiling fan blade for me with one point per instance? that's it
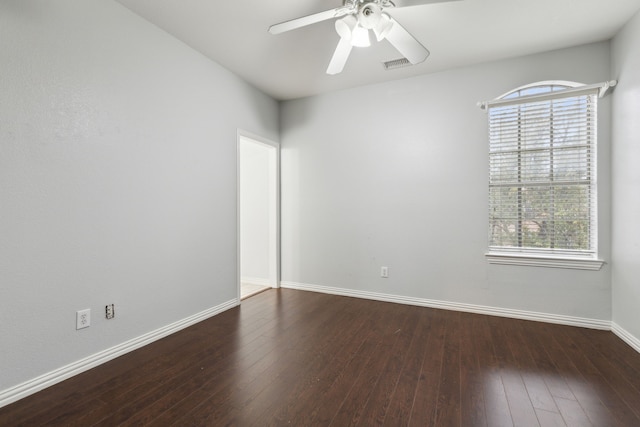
(406, 44)
(407, 3)
(340, 56)
(308, 20)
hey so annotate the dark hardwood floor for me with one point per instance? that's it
(294, 358)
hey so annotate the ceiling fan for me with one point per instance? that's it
(357, 17)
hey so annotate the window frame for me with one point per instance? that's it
(548, 257)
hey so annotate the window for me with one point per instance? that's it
(542, 176)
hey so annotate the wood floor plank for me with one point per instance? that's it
(198, 369)
(316, 393)
(623, 356)
(496, 404)
(545, 367)
(614, 391)
(353, 406)
(448, 405)
(586, 392)
(549, 419)
(315, 369)
(572, 413)
(472, 400)
(288, 357)
(251, 396)
(369, 345)
(539, 394)
(520, 405)
(403, 396)
(423, 410)
(375, 411)
(317, 373)
(214, 357)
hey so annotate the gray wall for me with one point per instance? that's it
(626, 179)
(396, 174)
(117, 179)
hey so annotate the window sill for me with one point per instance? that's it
(544, 261)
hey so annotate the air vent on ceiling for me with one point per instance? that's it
(396, 63)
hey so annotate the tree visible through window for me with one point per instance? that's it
(542, 192)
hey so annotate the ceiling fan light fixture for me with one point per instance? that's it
(345, 26)
(382, 29)
(360, 37)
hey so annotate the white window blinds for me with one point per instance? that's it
(542, 180)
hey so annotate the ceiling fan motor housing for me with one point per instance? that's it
(369, 15)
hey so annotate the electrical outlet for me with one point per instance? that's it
(83, 318)
(384, 272)
(110, 311)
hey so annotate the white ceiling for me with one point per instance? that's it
(291, 65)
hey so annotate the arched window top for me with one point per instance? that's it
(547, 90)
(540, 88)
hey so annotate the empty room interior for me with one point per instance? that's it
(441, 199)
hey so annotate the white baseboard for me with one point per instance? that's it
(625, 336)
(258, 281)
(43, 381)
(446, 305)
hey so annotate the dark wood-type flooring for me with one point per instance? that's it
(294, 358)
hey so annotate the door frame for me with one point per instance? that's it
(274, 197)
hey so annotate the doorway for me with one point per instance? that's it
(258, 214)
